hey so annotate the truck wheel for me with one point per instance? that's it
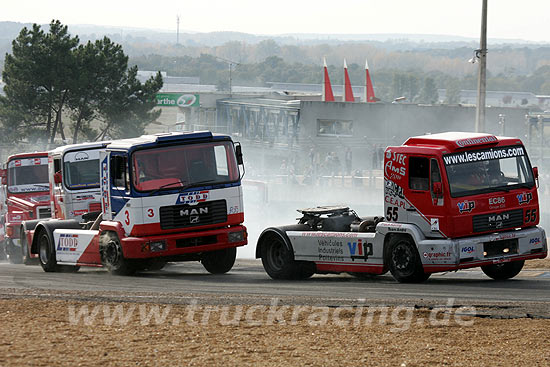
(404, 262)
(112, 257)
(220, 261)
(25, 254)
(13, 253)
(503, 271)
(46, 250)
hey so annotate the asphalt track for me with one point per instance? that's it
(527, 295)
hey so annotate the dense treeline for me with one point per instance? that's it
(389, 82)
(54, 84)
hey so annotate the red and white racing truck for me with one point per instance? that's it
(73, 176)
(451, 201)
(164, 197)
(25, 177)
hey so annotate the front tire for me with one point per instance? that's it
(220, 261)
(278, 260)
(112, 256)
(46, 250)
(503, 271)
(404, 262)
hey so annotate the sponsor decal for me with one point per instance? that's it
(330, 249)
(437, 255)
(505, 236)
(327, 234)
(36, 161)
(17, 163)
(467, 249)
(497, 201)
(393, 189)
(67, 242)
(360, 250)
(81, 156)
(434, 223)
(475, 141)
(466, 206)
(535, 241)
(83, 197)
(395, 165)
(79, 212)
(524, 198)
(483, 155)
(105, 188)
(395, 201)
(193, 197)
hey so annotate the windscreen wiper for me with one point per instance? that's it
(183, 187)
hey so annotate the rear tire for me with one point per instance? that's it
(46, 250)
(503, 271)
(112, 256)
(404, 262)
(220, 261)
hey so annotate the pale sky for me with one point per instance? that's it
(512, 19)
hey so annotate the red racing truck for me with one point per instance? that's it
(451, 201)
(164, 197)
(25, 177)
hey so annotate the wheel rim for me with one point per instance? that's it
(112, 253)
(403, 258)
(276, 255)
(44, 248)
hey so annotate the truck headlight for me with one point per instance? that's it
(235, 236)
(157, 246)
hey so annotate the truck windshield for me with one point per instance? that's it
(81, 169)
(184, 165)
(28, 175)
(488, 170)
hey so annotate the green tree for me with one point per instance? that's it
(49, 75)
(102, 64)
(130, 108)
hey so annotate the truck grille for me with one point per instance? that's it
(44, 212)
(181, 216)
(497, 221)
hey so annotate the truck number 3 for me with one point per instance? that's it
(127, 220)
(392, 214)
(150, 213)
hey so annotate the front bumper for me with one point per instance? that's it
(494, 248)
(183, 243)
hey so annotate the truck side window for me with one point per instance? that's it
(119, 172)
(419, 173)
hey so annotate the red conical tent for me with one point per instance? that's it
(327, 88)
(369, 90)
(348, 91)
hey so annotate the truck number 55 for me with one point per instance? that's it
(392, 214)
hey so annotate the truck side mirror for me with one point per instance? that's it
(437, 189)
(57, 178)
(239, 153)
(536, 173)
(3, 176)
